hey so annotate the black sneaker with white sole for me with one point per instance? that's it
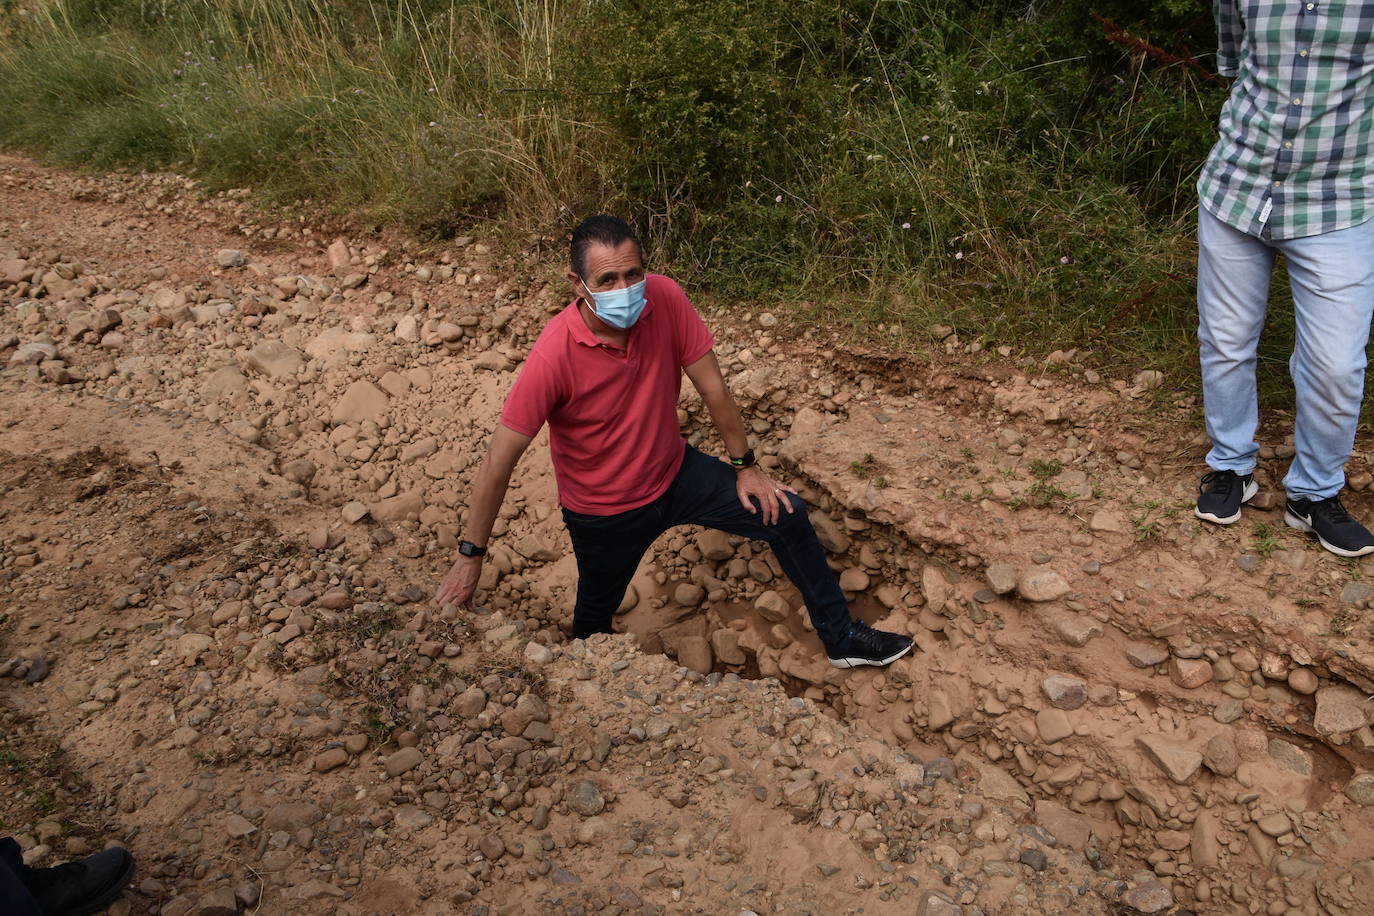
(1333, 526)
(1221, 494)
(867, 646)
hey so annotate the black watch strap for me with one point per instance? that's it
(747, 460)
(469, 549)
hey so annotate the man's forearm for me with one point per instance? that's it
(487, 495)
(729, 423)
(489, 490)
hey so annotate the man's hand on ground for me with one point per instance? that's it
(460, 583)
(753, 484)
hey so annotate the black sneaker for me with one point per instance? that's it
(867, 646)
(1333, 526)
(1221, 494)
(81, 888)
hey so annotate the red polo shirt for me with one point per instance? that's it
(612, 413)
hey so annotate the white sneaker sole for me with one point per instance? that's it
(858, 662)
(1251, 489)
(1302, 524)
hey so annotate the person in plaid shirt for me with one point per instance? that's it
(1293, 173)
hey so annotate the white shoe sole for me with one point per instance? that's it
(1246, 495)
(858, 662)
(1302, 524)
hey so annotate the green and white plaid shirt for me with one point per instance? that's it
(1294, 157)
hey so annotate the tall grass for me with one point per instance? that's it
(985, 165)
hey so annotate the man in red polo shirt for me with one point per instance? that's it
(605, 374)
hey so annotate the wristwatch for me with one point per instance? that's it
(745, 461)
(469, 549)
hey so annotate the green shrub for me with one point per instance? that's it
(999, 166)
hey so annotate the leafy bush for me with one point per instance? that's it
(1002, 166)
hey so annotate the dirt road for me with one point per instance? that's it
(234, 452)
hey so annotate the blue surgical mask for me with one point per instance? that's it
(620, 308)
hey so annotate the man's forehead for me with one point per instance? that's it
(602, 257)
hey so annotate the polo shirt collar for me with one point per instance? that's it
(578, 325)
(583, 334)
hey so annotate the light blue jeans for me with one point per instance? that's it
(1332, 277)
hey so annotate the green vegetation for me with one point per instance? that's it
(863, 467)
(1266, 538)
(1012, 170)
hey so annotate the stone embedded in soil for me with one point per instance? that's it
(854, 580)
(694, 654)
(1290, 757)
(362, 401)
(228, 258)
(1275, 825)
(1190, 673)
(773, 607)
(236, 825)
(1174, 760)
(1106, 521)
(1172, 840)
(689, 594)
(1065, 692)
(1001, 578)
(275, 359)
(1356, 593)
(219, 902)
(831, 535)
(1147, 654)
(725, 644)
(538, 653)
(1228, 711)
(412, 818)
(1302, 680)
(1053, 725)
(291, 816)
(1340, 709)
(1040, 583)
(1102, 695)
(331, 759)
(939, 710)
(934, 903)
(1204, 843)
(491, 847)
(354, 512)
(715, 545)
(1220, 755)
(470, 702)
(38, 671)
(1360, 790)
(1150, 897)
(586, 799)
(1077, 630)
(403, 761)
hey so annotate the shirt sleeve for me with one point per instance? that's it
(1230, 33)
(692, 337)
(532, 398)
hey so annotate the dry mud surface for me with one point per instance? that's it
(234, 454)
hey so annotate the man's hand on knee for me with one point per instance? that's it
(753, 484)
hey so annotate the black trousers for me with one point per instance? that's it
(609, 547)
